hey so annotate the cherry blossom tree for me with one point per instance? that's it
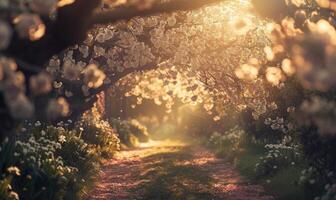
(33, 31)
(58, 55)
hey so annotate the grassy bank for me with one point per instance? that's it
(277, 166)
(283, 184)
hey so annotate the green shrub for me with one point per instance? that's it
(50, 163)
(43, 174)
(278, 156)
(139, 130)
(124, 132)
(76, 153)
(229, 143)
(319, 150)
(99, 135)
(283, 184)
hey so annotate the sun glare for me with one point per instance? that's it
(240, 19)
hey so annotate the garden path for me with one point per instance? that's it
(173, 171)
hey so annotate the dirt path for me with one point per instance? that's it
(172, 171)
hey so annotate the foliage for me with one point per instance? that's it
(48, 162)
(76, 153)
(139, 130)
(229, 143)
(6, 192)
(330, 192)
(99, 134)
(124, 132)
(278, 156)
(318, 150)
(282, 184)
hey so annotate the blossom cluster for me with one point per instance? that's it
(279, 123)
(204, 47)
(278, 156)
(42, 155)
(228, 142)
(26, 22)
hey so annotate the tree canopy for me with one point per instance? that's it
(58, 55)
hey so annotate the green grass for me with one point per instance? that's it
(282, 185)
(172, 179)
(246, 161)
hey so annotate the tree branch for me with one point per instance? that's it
(126, 13)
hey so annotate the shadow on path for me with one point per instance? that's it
(172, 176)
(172, 171)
